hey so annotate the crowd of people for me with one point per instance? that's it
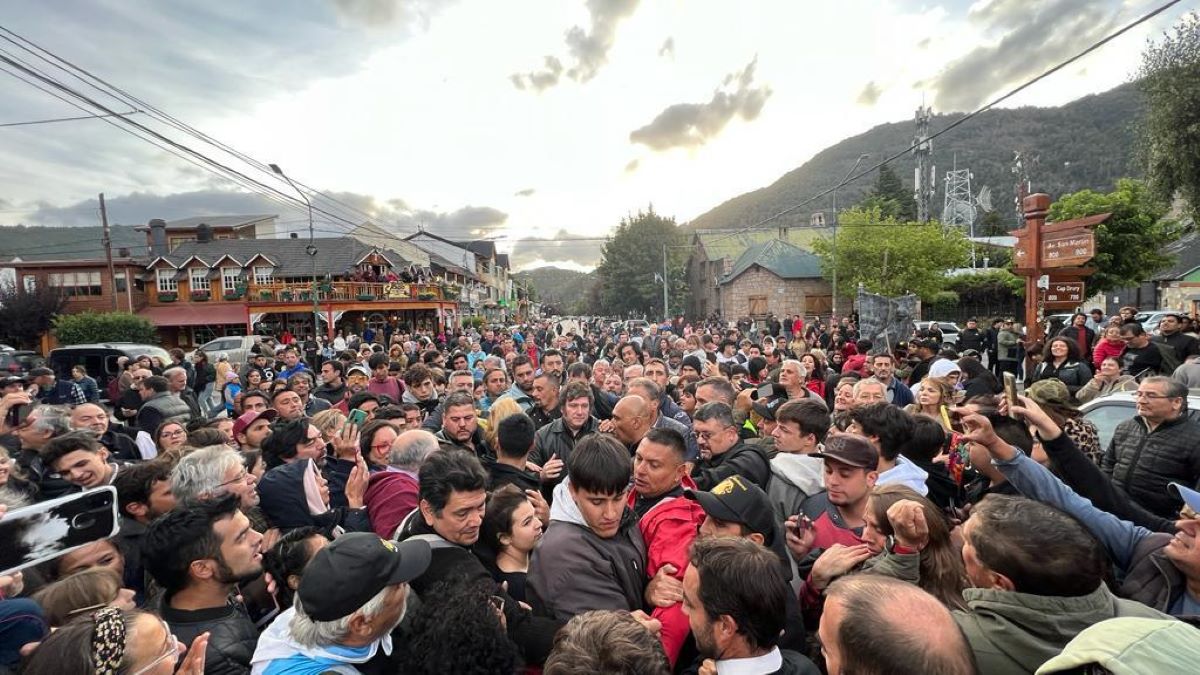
(717, 498)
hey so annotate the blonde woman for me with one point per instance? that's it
(83, 592)
(330, 423)
(933, 393)
(503, 407)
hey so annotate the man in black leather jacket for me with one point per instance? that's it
(199, 554)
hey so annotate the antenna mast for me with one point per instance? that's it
(924, 186)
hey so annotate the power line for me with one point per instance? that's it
(66, 119)
(988, 106)
(91, 80)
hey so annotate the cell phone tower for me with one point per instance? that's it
(924, 184)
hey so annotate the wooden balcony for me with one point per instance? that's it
(347, 291)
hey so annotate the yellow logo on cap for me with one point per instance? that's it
(387, 544)
(726, 486)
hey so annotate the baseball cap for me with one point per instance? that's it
(850, 449)
(737, 500)
(360, 370)
(345, 575)
(1050, 390)
(1188, 495)
(250, 417)
(11, 380)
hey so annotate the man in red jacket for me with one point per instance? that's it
(668, 523)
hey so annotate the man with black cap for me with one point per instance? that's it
(836, 515)
(52, 391)
(351, 597)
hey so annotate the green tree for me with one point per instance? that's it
(631, 258)
(1170, 78)
(104, 327)
(891, 197)
(26, 314)
(1129, 246)
(891, 257)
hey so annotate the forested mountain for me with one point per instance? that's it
(566, 291)
(1088, 143)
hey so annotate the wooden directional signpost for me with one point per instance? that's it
(1053, 258)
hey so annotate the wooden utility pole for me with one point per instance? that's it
(112, 277)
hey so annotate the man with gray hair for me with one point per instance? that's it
(43, 424)
(352, 595)
(392, 493)
(211, 473)
(177, 385)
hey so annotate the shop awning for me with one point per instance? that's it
(197, 314)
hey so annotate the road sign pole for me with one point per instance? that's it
(1036, 206)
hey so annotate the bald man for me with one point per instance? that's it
(649, 391)
(877, 624)
(632, 418)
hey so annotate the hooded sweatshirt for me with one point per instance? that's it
(574, 570)
(1013, 632)
(794, 479)
(278, 654)
(1130, 647)
(905, 473)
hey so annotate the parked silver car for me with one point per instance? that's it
(1109, 411)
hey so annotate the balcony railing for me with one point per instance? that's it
(347, 291)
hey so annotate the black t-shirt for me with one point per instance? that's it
(1136, 360)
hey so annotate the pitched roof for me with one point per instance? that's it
(1186, 252)
(335, 255)
(374, 234)
(213, 221)
(784, 259)
(730, 244)
(481, 247)
(502, 261)
(32, 243)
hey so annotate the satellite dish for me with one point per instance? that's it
(985, 199)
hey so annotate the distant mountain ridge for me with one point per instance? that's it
(1087, 143)
(566, 290)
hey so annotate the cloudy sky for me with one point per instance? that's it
(537, 122)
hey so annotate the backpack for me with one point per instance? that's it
(1170, 358)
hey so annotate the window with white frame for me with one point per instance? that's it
(263, 274)
(75, 284)
(230, 278)
(166, 281)
(198, 280)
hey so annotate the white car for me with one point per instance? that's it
(1150, 320)
(949, 331)
(1109, 411)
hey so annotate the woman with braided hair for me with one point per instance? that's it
(112, 641)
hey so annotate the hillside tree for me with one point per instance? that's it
(631, 258)
(1129, 246)
(891, 197)
(1169, 77)
(889, 256)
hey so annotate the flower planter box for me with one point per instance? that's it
(365, 297)
(234, 296)
(285, 296)
(167, 297)
(264, 295)
(426, 296)
(200, 297)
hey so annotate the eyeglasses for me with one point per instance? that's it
(706, 435)
(244, 475)
(174, 648)
(1151, 395)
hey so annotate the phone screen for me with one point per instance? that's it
(1010, 392)
(49, 529)
(766, 390)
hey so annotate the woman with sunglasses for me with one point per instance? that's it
(113, 641)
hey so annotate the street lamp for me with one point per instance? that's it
(311, 250)
(835, 224)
